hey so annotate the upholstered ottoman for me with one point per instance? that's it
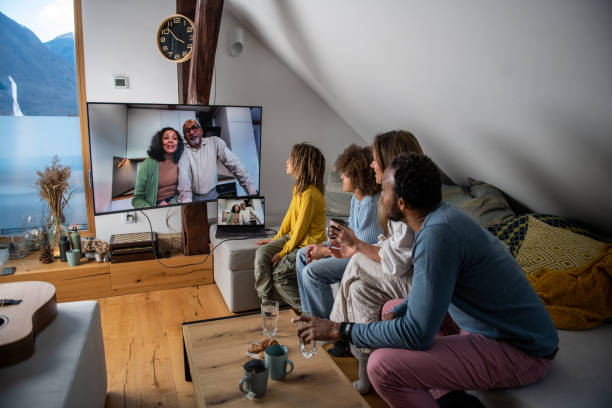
(233, 264)
(67, 368)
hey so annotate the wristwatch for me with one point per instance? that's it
(345, 331)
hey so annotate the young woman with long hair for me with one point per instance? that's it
(304, 224)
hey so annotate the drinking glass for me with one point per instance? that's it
(333, 232)
(307, 349)
(269, 317)
(331, 237)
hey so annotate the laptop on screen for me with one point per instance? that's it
(241, 217)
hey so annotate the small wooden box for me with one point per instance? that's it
(135, 246)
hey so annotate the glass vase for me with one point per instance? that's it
(55, 233)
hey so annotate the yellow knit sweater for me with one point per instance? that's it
(304, 220)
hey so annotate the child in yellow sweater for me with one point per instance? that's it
(304, 224)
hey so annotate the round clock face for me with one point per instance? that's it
(175, 38)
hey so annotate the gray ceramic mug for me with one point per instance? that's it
(255, 379)
(277, 361)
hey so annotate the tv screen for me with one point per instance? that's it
(151, 155)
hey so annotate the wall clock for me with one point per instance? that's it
(175, 38)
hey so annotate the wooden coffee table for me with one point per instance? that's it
(216, 350)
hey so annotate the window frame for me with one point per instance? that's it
(82, 102)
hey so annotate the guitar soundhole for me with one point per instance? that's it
(3, 321)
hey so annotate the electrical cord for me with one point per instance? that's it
(207, 255)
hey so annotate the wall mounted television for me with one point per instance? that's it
(124, 176)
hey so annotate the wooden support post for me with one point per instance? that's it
(194, 218)
(195, 76)
(194, 82)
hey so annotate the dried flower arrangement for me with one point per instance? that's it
(52, 186)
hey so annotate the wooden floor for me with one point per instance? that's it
(144, 347)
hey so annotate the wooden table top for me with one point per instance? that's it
(216, 351)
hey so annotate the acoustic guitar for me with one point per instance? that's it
(21, 321)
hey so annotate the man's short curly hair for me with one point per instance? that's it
(156, 149)
(417, 181)
(354, 162)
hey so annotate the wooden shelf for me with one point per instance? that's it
(92, 280)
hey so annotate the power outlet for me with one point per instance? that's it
(129, 217)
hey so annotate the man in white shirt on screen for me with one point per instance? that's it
(247, 214)
(198, 166)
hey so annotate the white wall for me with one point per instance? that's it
(292, 112)
(517, 93)
(119, 38)
(108, 133)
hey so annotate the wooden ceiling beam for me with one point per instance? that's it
(195, 76)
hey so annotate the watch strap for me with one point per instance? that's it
(345, 331)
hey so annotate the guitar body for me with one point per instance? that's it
(19, 324)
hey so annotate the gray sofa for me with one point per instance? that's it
(581, 372)
(68, 367)
(579, 377)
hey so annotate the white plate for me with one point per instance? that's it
(253, 355)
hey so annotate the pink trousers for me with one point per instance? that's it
(459, 361)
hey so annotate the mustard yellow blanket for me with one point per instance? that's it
(578, 298)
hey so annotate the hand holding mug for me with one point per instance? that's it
(340, 233)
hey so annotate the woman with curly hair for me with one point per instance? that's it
(157, 179)
(304, 224)
(316, 268)
(376, 273)
(233, 217)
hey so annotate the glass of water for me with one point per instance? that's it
(269, 317)
(307, 349)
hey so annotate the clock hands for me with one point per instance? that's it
(175, 36)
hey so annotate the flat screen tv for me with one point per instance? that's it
(133, 169)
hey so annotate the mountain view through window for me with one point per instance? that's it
(39, 113)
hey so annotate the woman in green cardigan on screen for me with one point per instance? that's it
(157, 179)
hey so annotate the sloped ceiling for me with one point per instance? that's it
(518, 94)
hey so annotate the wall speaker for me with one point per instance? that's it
(236, 42)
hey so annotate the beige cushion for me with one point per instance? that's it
(483, 202)
(549, 247)
(337, 202)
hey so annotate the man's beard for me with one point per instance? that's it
(194, 141)
(394, 213)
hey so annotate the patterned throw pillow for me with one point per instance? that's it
(565, 223)
(512, 232)
(545, 246)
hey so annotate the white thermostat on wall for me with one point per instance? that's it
(121, 82)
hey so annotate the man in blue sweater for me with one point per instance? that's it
(505, 337)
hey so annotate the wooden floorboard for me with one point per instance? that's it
(144, 346)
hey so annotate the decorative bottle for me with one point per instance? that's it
(75, 239)
(64, 246)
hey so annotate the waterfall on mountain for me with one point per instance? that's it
(16, 109)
